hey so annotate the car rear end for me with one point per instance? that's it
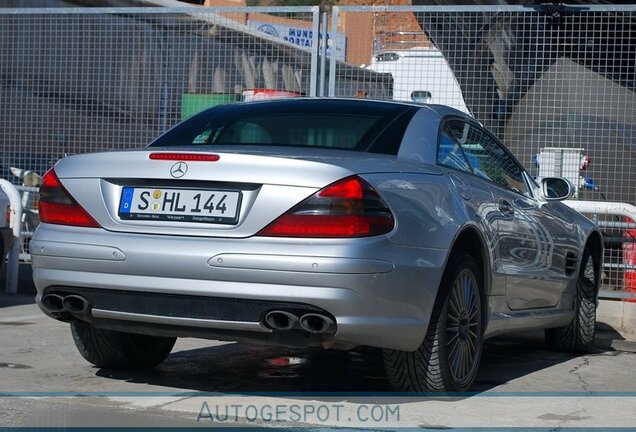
(241, 241)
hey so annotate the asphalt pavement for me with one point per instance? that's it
(44, 382)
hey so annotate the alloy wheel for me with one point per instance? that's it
(463, 326)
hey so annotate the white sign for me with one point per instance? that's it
(303, 37)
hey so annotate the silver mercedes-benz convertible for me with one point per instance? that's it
(316, 222)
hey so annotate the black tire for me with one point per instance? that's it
(578, 336)
(433, 367)
(117, 350)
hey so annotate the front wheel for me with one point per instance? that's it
(578, 335)
(118, 350)
(448, 359)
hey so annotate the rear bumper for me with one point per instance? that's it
(378, 293)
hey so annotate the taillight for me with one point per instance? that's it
(56, 206)
(347, 208)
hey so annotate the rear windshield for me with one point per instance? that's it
(346, 125)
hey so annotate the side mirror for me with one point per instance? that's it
(556, 188)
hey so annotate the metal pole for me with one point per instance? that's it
(323, 55)
(315, 40)
(163, 109)
(332, 59)
(13, 260)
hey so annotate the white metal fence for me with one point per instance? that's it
(536, 76)
(77, 80)
(540, 77)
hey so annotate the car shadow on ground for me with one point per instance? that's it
(245, 368)
(242, 368)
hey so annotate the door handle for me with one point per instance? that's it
(506, 208)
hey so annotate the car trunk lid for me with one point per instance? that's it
(184, 192)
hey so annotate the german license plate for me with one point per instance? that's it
(180, 205)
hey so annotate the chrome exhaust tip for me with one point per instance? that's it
(53, 303)
(316, 323)
(281, 320)
(75, 304)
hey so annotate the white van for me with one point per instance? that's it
(420, 74)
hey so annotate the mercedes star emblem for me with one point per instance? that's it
(179, 169)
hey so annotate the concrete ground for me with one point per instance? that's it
(45, 383)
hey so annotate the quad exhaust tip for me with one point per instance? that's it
(276, 320)
(316, 323)
(281, 320)
(311, 322)
(74, 304)
(53, 303)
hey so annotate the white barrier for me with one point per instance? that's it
(603, 207)
(615, 209)
(15, 200)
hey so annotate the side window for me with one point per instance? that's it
(449, 153)
(487, 158)
(493, 162)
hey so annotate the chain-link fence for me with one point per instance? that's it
(554, 83)
(79, 80)
(538, 77)
(549, 81)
